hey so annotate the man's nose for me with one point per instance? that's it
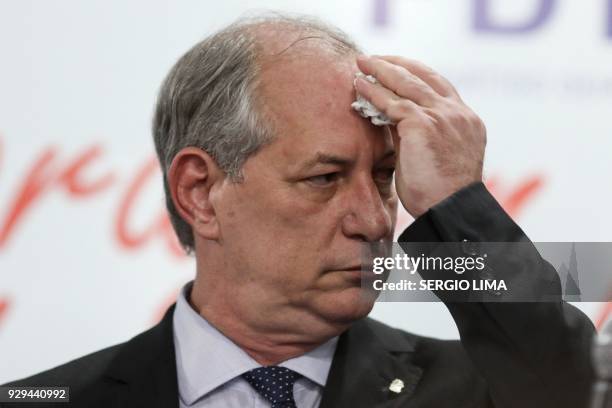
(368, 218)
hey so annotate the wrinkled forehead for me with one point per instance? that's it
(299, 67)
(310, 88)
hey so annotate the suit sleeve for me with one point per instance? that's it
(532, 354)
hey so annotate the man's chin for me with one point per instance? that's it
(346, 307)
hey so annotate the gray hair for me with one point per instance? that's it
(209, 99)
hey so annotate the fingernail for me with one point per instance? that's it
(363, 58)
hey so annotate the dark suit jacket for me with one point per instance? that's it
(510, 354)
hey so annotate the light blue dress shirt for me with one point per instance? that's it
(209, 366)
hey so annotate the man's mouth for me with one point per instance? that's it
(357, 274)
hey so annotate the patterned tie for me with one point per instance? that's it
(275, 384)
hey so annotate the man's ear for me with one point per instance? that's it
(190, 179)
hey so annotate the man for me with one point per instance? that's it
(275, 185)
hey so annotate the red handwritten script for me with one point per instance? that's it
(49, 171)
(4, 305)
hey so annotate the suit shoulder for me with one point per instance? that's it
(401, 340)
(386, 331)
(76, 374)
(427, 349)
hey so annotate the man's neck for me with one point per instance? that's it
(268, 345)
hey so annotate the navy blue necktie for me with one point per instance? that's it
(275, 384)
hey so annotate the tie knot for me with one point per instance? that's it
(274, 383)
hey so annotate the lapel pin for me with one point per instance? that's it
(396, 386)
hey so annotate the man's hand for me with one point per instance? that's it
(439, 141)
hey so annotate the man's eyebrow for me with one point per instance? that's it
(326, 158)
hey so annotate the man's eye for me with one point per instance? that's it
(385, 175)
(323, 180)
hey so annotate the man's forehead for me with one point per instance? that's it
(299, 89)
(306, 92)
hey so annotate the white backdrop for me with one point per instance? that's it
(86, 255)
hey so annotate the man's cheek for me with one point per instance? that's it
(298, 212)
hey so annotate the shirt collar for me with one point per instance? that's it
(206, 359)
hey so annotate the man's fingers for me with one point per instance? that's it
(395, 107)
(396, 141)
(439, 84)
(398, 79)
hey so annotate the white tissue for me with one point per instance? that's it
(365, 107)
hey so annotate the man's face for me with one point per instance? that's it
(292, 232)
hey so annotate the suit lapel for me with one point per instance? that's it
(369, 356)
(145, 368)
